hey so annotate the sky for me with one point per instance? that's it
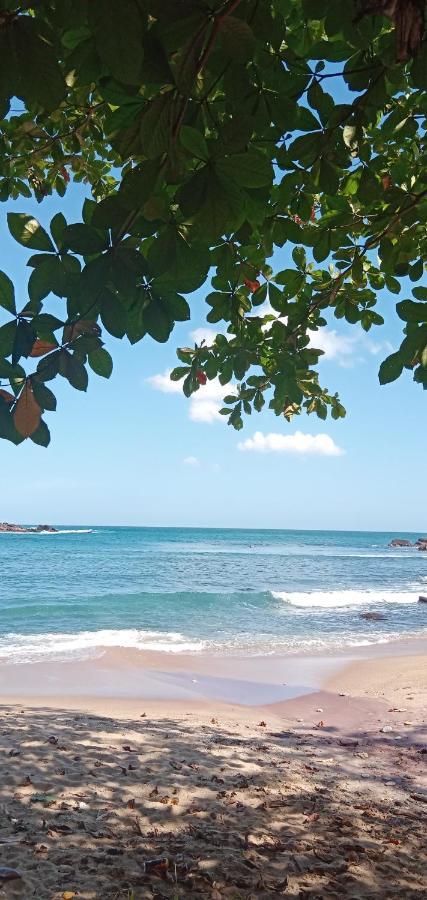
(134, 451)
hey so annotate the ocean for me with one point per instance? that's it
(190, 590)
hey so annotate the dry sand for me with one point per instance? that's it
(305, 798)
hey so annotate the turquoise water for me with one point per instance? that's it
(225, 591)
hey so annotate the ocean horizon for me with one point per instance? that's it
(222, 591)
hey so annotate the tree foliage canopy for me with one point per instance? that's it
(210, 132)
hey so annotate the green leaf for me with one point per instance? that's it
(251, 169)
(420, 293)
(7, 293)
(24, 341)
(45, 398)
(391, 368)
(46, 278)
(177, 264)
(194, 142)
(328, 177)
(28, 232)
(113, 314)
(57, 227)
(74, 371)
(7, 426)
(392, 284)
(322, 245)
(412, 312)
(7, 338)
(100, 362)
(177, 307)
(157, 321)
(118, 32)
(156, 125)
(109, 213)
(291, 279)
(84, 239)
(42, 435)
(28, 65)
(237, 38)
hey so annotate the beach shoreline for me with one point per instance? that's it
(350, 687)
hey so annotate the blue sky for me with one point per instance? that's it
(130, 451)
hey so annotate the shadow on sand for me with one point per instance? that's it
(87, 802)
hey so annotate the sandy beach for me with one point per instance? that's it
(320, 794)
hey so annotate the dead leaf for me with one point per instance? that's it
(68, 895)
(40, 348)
(27, 414)
(7, 874)
(160, 864)
(82, 326)
(7, 396)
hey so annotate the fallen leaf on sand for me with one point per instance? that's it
(160, 864)
(7, 874)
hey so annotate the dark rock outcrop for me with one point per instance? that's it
(422, 599)
(372, 616)
(8, 528)
(421, 543)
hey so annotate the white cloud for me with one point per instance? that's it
(346, 349)
(204, 405)
(207, 335)
(164, 384)
(319, 444)
(191, 461)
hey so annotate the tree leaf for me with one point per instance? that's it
(412, 312)
(7, 293)
(27, 413)
(41, 435)
(100, 362)
(391, 368)
(58, 225)
(118, 32)
(250, 169)
(28, 232)
(84, 239)
(194, 142)
(74, 371)
(28, 65)
(157, 321)
(237, 38)
(45, 398)
(156, 125)
(40, 348)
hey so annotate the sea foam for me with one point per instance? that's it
(344, 598)
(21, 648)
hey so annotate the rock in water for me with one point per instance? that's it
(9, 528)
(400, 542)
(372, 616)
(422, 599)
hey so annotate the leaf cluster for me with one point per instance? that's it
(210, 136)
